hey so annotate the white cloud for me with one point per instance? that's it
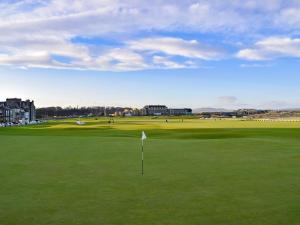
(100, 17)
(37, 51)
(119, 60)
(164, 62)
(289, 18)
(176, 47)
(272, 47)
(37, 58)
(117, 15)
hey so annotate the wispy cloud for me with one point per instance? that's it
(227, 99)
(272, 47)
(163, 62)
(255, 65)
(176, 47)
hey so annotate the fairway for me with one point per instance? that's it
(210, 172)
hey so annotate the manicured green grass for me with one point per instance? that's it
(226, 172)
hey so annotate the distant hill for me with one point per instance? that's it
(291, 109)
(201, 110)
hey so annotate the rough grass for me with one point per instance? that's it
(235, 172)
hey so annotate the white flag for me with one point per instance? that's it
(143, 135)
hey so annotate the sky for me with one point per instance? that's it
(193, 53)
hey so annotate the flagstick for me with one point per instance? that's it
(142, 157)
(143, 138)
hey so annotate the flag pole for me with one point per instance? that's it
(143, 138)
(142, 157)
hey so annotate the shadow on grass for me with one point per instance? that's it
(203, 133)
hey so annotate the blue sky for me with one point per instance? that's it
(193, 53)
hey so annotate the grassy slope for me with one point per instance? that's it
(57, 174)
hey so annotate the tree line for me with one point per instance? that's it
(50, 112)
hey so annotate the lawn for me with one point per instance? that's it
(210, 172)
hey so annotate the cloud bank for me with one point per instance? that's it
(41, 33)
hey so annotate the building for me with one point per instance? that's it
(160, 110)
(180, 112)
(4, 113)
(155, 110)
(16, 111)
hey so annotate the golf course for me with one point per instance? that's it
(196, 172)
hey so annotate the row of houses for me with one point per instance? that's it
(16, 111)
